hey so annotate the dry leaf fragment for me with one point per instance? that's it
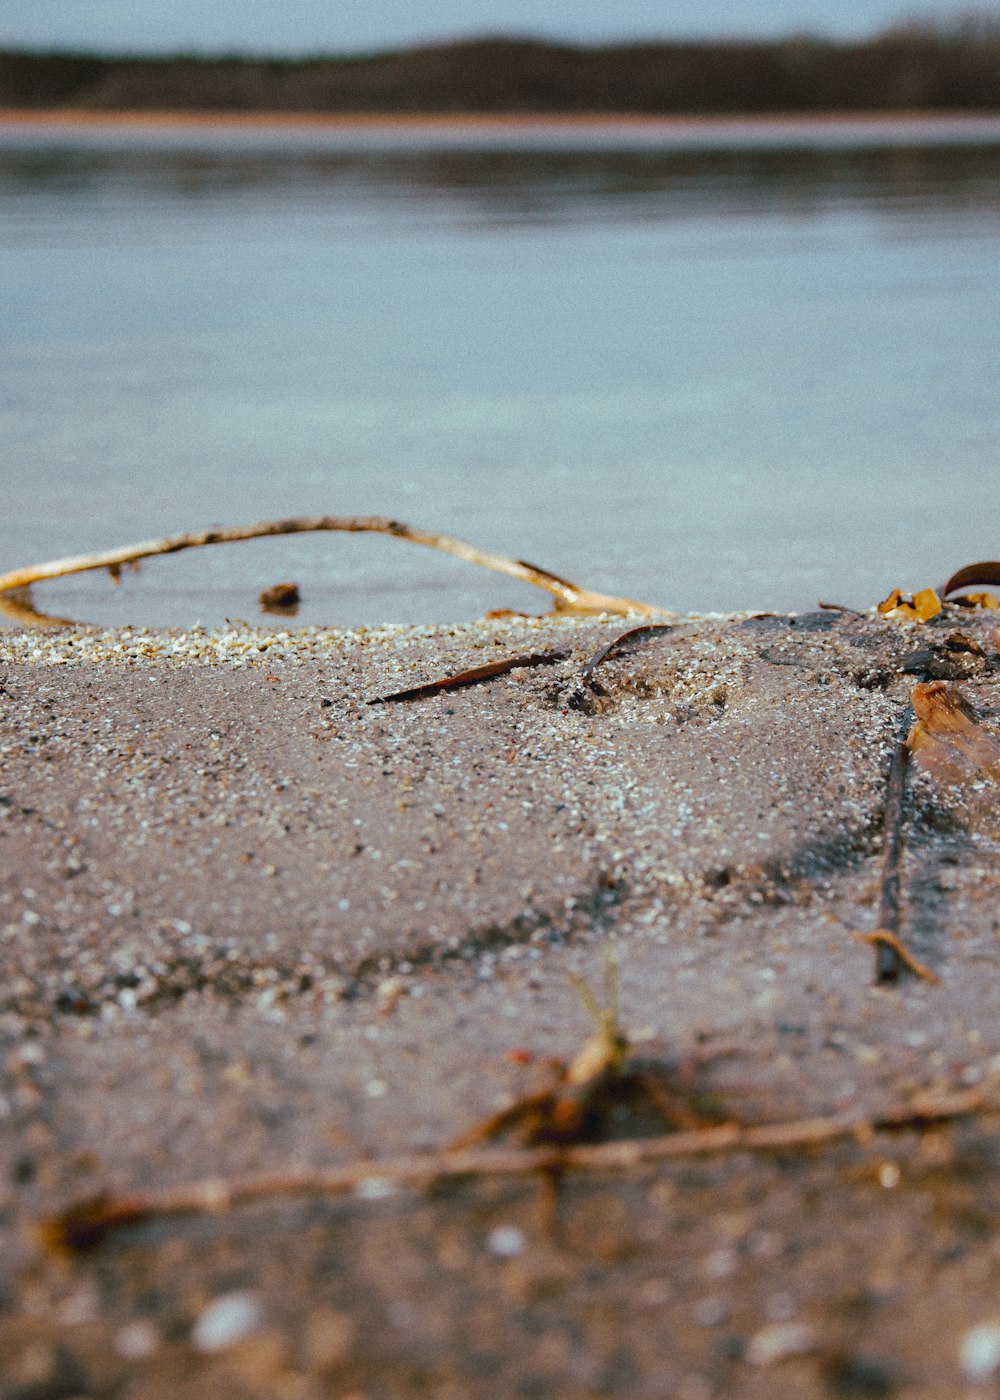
(924, 605)
(612, 648)
(947, 740)
(987, 571)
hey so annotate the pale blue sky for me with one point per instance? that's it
(296, 26)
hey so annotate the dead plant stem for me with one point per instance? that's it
(86, 1224)
(569, 597)
(888, 963)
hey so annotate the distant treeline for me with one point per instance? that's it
(918, 67)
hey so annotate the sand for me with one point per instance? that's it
(250, 922)
(487, 125)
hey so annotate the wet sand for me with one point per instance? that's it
(250, 922)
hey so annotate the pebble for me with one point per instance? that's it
(328, 1338)
(780, 1307)
(228, 1319)
(506, 1241)
(979, 1352)
(375, 1188)
(721, 1263)
(137, 1341)
(711, 1312)
(81, 1307)
(889, 1175)
(779, 1341)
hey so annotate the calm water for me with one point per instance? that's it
(708, 368)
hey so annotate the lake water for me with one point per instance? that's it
(706, 365)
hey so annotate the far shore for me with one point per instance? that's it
(487, 121)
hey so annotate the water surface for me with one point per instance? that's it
(712, 367)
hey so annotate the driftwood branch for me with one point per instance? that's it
(86, 1224)
(569, 597)
(17, 607)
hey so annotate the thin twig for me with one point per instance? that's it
(888, 962)
(882, 937)
(840, 608)
(17, 607)
(86, 1224)
(569, 597)
(474, 676)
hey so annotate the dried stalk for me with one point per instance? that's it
(888, 963)
(17, 607)
(569, 597)
(86, 1224)
(475, 676)
(882, 937)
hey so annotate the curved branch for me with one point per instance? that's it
(569, 597)
(17, 607)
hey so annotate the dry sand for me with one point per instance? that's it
(249, 922)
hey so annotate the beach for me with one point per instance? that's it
(252, 922)
(891, 126)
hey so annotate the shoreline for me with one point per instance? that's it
(486, 121)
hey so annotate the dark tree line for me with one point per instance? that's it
(911, 68)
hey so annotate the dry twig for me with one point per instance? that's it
(569, 597)
(87, 1224)
(940, 733)
(882, 938)
(474, 676)
(888, 962)
(576, 1101)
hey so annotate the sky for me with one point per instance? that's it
(347, 26)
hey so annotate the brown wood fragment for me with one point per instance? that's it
(947, 740)
(280, 598)
(475, 676)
